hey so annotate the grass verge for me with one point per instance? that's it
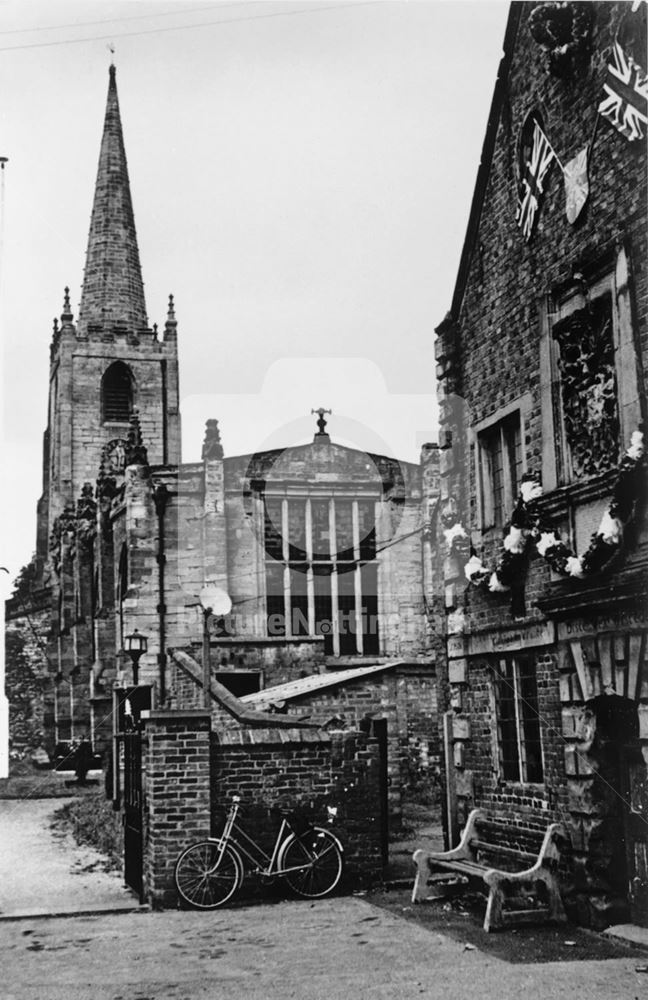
(91, 820)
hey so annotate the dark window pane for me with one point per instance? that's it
(370, 636)
(276, 623)
(367, 529)
(507, 723)
(530, 720)
(344, 529)
(321, 529)
(323, 606)
(297, 529)
(298, 600)
(240, 682)
(346, 612)
(272, 525)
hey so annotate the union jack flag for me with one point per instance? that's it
(531, 188)
(625, 104)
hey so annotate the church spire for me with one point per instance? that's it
(113, 291)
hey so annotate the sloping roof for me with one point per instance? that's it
(112, 291)
(488, 148)
(246, 715)
(314, 682)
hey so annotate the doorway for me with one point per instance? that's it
(622, 793)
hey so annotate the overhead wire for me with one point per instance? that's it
(131, 17)
(187, 27)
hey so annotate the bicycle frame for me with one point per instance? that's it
(246, 845)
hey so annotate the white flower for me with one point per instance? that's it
(610, 529)
(574, 567)
(515, 540)
(530, 490)
(636, 449)
(496, 586)
(547, 540)
(456, 531)
(474, 567)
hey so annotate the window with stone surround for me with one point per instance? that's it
(500, 464)
(589, 378)
(117, 394)
(321, 573)
(518, 721)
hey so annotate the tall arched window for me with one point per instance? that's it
(117, 393)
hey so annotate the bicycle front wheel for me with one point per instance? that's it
(206, 876)
(316, 858)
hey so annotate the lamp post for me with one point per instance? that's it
(213, 600)
(135, 645)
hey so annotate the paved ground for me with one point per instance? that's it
(44, 870)
(331, 950)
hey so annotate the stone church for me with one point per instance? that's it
(321, 552)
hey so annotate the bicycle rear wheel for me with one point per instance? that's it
(206, 878)
(317, 859)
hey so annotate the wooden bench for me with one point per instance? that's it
(533, 878)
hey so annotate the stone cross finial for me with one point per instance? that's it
(321, 423)
(212, 448)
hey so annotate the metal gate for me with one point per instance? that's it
(133, 812)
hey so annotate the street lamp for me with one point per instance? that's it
(135, 645)
(213, 601)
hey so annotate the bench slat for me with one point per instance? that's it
(508, 852)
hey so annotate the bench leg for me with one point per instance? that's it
(556, 910)
(420, 882)
(494, 907)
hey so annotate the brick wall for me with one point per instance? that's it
(408, 701)
(340, 769)
(494, 351)
(190, 776)
(176, 792)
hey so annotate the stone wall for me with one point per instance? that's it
(27, 678)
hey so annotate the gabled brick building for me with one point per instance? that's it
(541, 365)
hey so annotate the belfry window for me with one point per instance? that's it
(117, 393)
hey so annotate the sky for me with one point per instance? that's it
(301, 177)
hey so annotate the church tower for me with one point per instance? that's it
(112, 378)
(110, 362)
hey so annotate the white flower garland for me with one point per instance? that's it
(605, 541)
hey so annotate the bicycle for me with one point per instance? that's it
(209, 872)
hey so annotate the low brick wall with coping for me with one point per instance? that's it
(187, 768)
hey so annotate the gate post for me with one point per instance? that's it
(177, 794)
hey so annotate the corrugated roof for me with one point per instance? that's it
(314, 682)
